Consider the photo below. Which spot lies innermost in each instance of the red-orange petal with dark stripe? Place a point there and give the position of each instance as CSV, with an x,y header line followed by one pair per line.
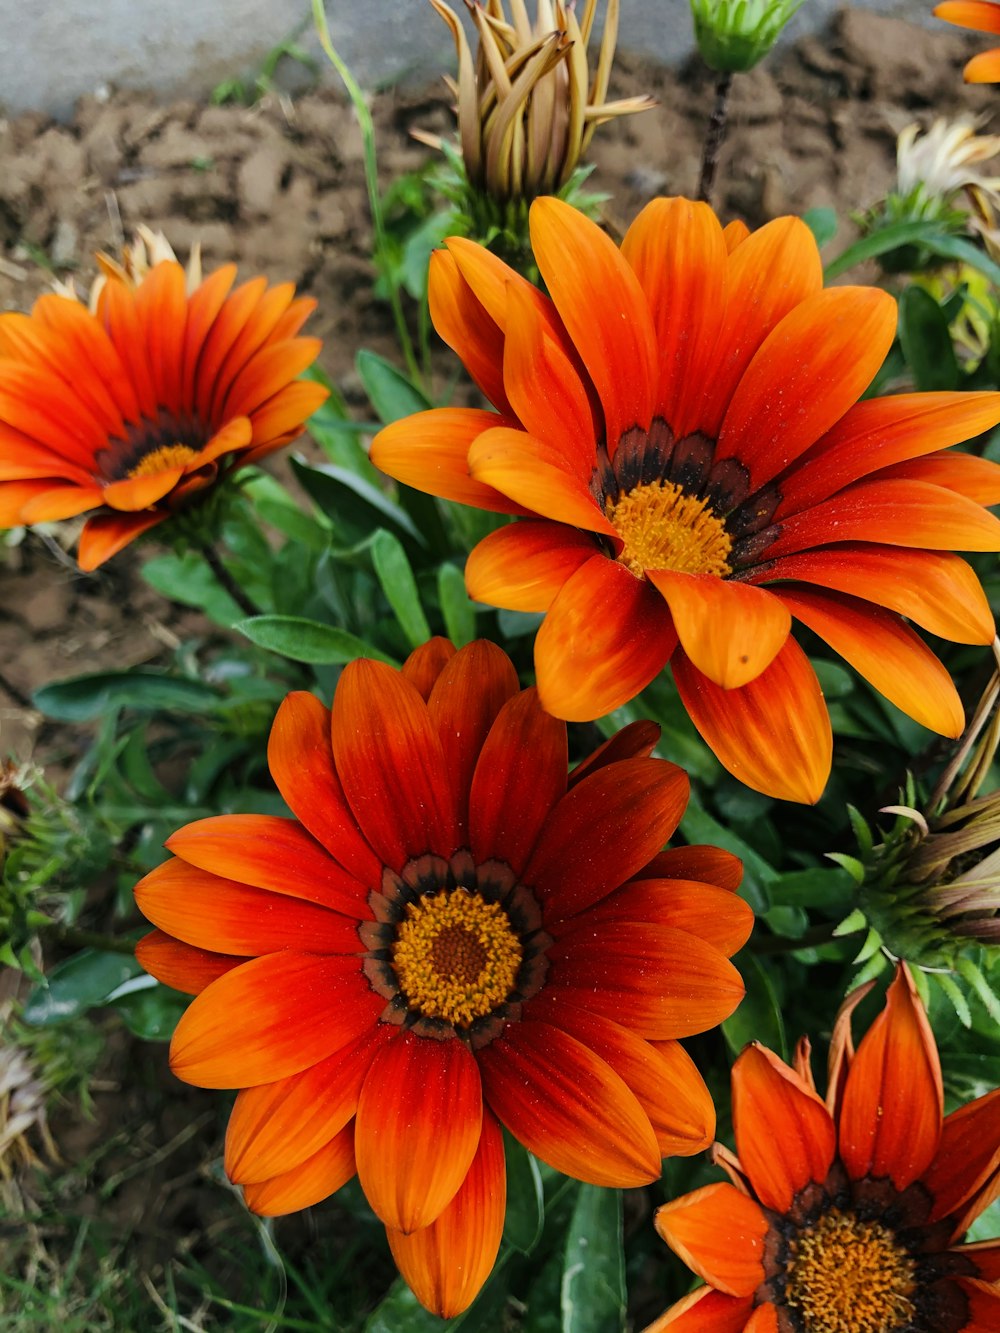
x,y
412,1166
636,740
447,1262
104,537
968,1154
568,1106
538,476
425,664
716,915
711,864
182,966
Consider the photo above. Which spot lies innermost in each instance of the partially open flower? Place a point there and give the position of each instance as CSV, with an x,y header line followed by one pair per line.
x,y
451,935
132,410
528,104
735,35
846,1216
981,16
933,167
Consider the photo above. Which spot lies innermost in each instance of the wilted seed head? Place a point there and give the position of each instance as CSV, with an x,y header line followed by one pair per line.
x,y
146,249
929,891
528,103
735,35
934,167
13,805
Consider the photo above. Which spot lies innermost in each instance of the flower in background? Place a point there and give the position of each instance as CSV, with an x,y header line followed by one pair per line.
x,y
848,1214
450,936
735,35
935,166
982,16
130,411
679,435
528,105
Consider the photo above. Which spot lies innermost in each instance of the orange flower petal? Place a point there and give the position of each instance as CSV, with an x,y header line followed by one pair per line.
x,y
116,308
141,492
806,374
607,634
214,913
268,852
890,1116
770,272
735,233
662,1075
464,703
267,372
539,476
283,416
181,966
50,504
981,15
568,1106
969,1153
462,322
523,566
896,513
236,311
661,982
603,307
425,664
939,591
603,830
729,630
203,308
773,734
545,392
677,250
446,1263
104,537
710,864
492,281
716,915
391,762
984,1306
763,1320
880,432
704,1311
719,1233
430,452
310,1182
986,1257
234,435
418,1128
637,740
976,478
272,1017
276,1126
785,1136
983,68
300,757
65,335
883,648
520,775
161,307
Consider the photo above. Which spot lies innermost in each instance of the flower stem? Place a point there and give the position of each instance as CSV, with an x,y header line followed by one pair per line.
x,y
226,581
809,939
714,137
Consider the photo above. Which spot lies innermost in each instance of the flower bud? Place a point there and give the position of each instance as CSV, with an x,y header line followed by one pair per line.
x,y
735,35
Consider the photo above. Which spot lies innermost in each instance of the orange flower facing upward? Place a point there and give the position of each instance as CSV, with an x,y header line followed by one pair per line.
x,y
448,937
678,427
982,16
845,1216
128,412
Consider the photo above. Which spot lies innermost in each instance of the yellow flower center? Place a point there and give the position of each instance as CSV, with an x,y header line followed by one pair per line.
x,y
160,460
850,1276
663,528
456,956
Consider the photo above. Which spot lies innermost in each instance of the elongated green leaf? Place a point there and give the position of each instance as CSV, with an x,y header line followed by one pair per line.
x,y
395,574
305,640
82,698
391,393
458,611
353,505
822,222
593,1281
759,1016
926,341
80,983
525,1217
758,875
188,579
149,1010
881,242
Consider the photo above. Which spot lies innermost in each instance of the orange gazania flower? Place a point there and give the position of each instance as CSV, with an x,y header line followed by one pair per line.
x,y
982,16
128,412
679,426
448,937
845,1216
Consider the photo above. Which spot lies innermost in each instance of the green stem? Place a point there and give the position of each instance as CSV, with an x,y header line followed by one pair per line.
x,y
367,126
809,939
714,137
226,581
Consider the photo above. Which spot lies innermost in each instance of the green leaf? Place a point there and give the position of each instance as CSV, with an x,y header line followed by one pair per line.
x,y
458,610
926,341
821,887
593,1281
391,393
882,241
149,1010
187,579
759,1016
311,641
353,505
83,698
525,1216
80,983
395,574
822,222
758,875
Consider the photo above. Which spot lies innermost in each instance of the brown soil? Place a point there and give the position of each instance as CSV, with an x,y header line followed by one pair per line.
x,y
281,190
